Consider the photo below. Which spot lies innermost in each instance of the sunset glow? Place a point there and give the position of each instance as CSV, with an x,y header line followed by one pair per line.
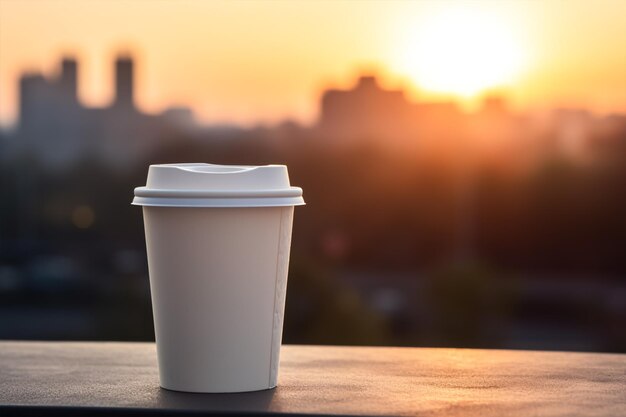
x,y
462,51
262,62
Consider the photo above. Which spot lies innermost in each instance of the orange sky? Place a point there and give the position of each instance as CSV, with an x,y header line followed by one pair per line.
x,y
250,62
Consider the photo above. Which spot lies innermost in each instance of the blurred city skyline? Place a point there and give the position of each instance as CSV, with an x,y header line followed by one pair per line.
x,y
464,188
244,69
59,129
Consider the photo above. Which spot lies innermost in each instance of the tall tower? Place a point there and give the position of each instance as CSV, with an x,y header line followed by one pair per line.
x,y
68,80
124,84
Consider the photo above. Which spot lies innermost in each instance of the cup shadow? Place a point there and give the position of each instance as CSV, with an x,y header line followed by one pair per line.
x,y
253,402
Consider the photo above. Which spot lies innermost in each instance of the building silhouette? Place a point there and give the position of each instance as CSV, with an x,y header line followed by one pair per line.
x,y
68,80
57,130
368,111
124,83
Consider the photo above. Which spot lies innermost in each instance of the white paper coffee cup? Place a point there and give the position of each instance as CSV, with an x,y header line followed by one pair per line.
x,y
218,240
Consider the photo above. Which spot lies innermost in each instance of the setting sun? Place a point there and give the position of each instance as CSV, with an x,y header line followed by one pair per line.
x,y
258,62
461,52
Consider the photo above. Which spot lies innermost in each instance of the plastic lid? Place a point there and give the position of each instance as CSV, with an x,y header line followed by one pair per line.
x,y
208,185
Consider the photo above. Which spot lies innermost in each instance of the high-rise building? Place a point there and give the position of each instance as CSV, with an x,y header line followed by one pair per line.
x,y
365,111
124,83
44,101
58,130
68,81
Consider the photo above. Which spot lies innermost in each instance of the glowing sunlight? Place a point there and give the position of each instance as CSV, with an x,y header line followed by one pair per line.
x,y
462,52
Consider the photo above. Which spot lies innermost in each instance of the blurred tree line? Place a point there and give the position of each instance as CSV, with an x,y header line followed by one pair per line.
x,y
368,208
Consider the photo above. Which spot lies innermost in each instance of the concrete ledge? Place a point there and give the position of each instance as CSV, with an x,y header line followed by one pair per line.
x,y
79,379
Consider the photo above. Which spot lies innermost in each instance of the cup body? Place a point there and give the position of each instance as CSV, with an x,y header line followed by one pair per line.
x,y
218,279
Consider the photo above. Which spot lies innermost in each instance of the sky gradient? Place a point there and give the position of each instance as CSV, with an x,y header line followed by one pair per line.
x,y
251,62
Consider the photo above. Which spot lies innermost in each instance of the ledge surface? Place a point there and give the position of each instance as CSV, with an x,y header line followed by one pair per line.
x,y
75,379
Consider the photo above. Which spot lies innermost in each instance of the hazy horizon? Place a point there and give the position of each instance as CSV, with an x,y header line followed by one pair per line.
x,y
247,63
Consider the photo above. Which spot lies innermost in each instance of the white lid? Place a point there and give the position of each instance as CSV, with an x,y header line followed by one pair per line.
x,y
208,185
